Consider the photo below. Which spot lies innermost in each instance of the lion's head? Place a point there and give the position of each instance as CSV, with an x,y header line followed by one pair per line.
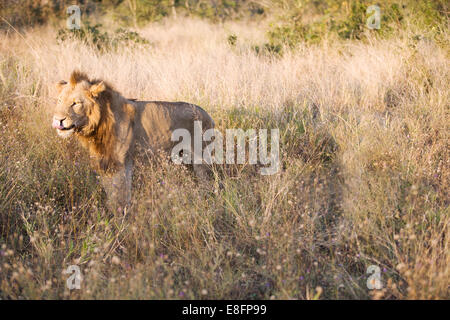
x,y
84,108
78,109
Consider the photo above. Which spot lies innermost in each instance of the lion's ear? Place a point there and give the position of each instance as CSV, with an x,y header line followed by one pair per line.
x,y
97,88
60,85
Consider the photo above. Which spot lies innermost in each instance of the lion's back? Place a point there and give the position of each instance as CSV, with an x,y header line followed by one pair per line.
x,y
156,120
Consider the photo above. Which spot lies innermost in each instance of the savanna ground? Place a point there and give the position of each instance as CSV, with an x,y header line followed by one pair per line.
x,y
364,127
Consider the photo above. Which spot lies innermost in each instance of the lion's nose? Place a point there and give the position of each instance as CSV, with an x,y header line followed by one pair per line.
x,y
58,123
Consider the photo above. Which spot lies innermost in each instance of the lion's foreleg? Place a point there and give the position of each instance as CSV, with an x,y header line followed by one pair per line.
x,y
201,171
118,188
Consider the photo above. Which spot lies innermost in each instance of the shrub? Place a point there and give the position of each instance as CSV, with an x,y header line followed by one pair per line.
x,y
93,36
329,19
21,13
232,39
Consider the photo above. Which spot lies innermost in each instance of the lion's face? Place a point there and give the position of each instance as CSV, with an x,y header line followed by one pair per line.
x,y
75,110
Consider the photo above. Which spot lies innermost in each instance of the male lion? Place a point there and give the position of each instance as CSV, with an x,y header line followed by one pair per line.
x,y
110,127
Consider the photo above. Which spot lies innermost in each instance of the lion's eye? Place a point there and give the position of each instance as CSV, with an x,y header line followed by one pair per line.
x,y
77,106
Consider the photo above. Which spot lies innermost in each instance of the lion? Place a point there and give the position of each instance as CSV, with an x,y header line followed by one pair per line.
x,y
111,127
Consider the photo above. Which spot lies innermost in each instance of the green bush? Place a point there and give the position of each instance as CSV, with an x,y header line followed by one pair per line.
x,y
268,49
347,19
92,35
232,39
139,12
22,13
27,13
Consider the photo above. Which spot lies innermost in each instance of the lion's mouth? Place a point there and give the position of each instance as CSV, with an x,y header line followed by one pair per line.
x,y
58,124
64,128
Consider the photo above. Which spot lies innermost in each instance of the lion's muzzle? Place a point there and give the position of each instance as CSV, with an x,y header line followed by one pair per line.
x,y
59,124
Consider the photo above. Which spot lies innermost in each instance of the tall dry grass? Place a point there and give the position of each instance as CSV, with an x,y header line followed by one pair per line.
x,y
364,144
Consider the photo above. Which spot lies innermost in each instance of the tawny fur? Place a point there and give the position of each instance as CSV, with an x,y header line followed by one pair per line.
x,y
111,126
